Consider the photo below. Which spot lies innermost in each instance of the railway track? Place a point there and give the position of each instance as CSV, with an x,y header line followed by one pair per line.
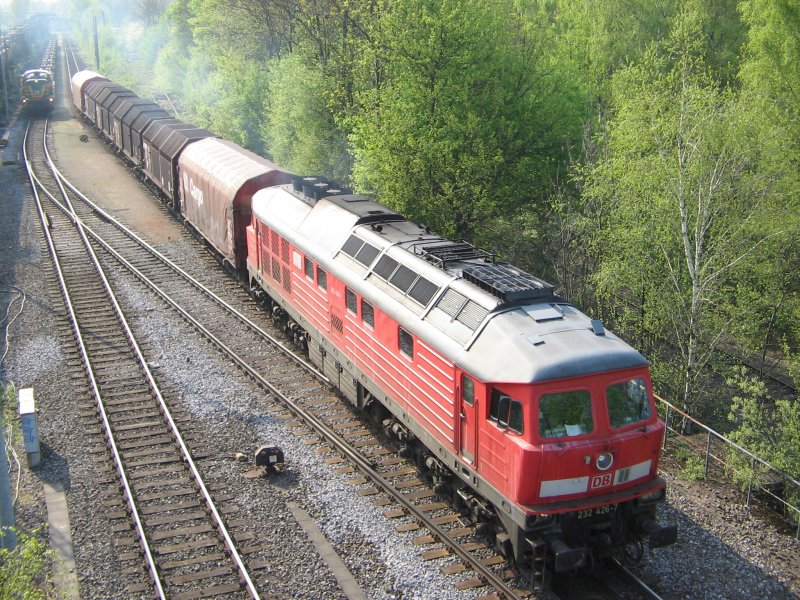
x,y
175,523
235,325
612,581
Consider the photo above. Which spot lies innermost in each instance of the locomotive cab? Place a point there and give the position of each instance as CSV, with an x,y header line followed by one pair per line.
x,y
582,460
37,89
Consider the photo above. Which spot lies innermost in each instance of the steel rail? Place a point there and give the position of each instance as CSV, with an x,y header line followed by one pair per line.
x,y
184,450
645,589
87,362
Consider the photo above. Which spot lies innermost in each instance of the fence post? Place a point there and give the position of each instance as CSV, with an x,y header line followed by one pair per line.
x,y
666,428
752,476
708,452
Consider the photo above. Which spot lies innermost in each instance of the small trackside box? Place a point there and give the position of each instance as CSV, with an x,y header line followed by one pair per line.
x,y
30,428
270,457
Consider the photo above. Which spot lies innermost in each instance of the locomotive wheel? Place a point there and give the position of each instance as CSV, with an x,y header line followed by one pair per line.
x,y
633,553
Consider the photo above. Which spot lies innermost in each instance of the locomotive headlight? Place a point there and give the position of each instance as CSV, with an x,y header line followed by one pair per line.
x,y
604,461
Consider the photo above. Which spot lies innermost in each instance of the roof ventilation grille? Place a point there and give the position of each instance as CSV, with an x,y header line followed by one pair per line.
x,y
507,283
447,251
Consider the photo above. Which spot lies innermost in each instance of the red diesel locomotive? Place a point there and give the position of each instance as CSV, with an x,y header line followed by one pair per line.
x,y
539,421
536,420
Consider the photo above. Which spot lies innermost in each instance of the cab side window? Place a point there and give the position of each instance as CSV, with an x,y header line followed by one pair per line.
x,y
405,342
467,390
506,412
367,313
351,300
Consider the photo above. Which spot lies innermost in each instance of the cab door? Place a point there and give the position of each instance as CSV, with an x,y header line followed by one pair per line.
x,y
467,418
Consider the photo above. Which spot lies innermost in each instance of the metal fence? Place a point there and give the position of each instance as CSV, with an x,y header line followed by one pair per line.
x,y
766,485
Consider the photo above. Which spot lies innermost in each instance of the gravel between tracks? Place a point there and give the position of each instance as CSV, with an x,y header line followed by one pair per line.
x,y
723,551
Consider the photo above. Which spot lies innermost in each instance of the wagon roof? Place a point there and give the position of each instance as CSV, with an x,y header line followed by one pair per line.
x,y
140,117
127,104
176,141
155,128
99,90
114,99
81,78
226,166
169,136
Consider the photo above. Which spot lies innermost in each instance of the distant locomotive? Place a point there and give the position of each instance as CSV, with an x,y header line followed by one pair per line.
x,y
537,421
37,90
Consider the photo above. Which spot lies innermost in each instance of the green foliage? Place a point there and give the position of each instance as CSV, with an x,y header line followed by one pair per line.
x,y
772,59
471,116
604,36
299,128
254,31
229,102
693,466
769,428
24,571
683,143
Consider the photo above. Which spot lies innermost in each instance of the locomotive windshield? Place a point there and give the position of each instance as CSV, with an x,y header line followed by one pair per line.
x,y
565,414
36,77
628,402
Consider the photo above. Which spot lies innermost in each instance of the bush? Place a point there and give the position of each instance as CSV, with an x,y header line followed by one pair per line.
x,y
770,429
24,571
693,467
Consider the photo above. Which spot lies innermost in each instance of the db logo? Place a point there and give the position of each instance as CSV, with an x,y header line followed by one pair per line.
x,y
603,480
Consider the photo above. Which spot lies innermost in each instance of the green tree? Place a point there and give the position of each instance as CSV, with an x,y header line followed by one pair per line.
x,y
299,128
768,427
470,117
230,101
770,76
688,205
149,11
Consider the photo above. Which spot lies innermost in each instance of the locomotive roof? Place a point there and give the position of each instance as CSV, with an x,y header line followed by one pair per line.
x,y
34,74
491,318
226,167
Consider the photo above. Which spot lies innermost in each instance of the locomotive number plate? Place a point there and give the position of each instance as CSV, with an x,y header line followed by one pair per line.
x,y
597,511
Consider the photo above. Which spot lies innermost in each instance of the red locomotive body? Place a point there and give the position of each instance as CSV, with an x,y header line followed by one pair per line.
x,y
538,420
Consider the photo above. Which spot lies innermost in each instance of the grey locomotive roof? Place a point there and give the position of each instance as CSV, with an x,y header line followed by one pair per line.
x,y
492,319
